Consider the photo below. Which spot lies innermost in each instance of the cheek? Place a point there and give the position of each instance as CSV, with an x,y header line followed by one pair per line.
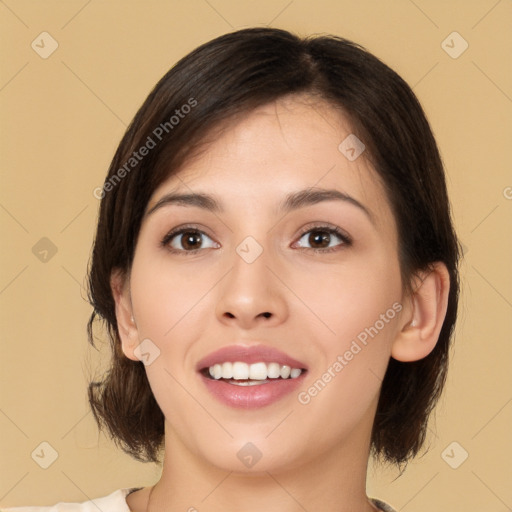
x,y
166,301
363,305
360,308
163,295
352,298
171,304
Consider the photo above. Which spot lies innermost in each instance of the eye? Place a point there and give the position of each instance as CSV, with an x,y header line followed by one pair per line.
x,y
323,238
187,240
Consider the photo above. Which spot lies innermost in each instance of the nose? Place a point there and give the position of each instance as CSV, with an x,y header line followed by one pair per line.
x,y
252,294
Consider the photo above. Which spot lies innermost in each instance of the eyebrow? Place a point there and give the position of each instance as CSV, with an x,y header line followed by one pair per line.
x,y
293,201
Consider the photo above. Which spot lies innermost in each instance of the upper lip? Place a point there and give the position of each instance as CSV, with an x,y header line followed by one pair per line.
x,y
249,354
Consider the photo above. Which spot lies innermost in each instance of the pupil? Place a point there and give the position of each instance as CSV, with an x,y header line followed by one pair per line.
x,y
314,239
189,242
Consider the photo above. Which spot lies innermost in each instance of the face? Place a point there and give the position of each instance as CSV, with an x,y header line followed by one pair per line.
x,y
298,286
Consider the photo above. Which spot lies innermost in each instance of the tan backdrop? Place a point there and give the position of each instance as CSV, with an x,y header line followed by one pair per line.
x,y
74,73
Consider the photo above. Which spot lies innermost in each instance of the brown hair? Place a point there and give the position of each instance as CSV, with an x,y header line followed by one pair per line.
x,y
231,75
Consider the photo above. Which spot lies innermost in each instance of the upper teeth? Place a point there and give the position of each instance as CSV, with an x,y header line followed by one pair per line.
x,y
256,371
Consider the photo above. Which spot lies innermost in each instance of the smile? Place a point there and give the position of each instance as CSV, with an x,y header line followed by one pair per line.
x,y
250,377
256,372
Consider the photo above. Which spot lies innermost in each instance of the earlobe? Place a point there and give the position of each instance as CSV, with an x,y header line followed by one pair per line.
x,y
126,325
426,315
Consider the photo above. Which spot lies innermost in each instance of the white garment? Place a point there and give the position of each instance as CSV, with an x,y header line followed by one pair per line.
x,y
116,502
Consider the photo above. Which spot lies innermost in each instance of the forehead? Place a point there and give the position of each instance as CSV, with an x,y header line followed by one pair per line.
x,y
289,144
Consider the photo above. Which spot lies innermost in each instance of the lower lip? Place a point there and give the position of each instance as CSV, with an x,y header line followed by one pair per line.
x,y
251,397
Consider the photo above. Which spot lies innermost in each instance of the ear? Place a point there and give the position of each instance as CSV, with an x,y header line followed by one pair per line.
x,y
423,316
126,326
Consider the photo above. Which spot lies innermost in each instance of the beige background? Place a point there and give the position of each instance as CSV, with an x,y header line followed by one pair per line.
x,y
61,120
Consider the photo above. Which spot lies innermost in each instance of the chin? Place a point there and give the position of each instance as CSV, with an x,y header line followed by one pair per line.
x,y
250,455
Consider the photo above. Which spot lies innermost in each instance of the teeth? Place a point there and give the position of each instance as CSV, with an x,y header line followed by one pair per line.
x,y
227,370
258,371
273,371
252,372
240,371
217,371
285,372
295,372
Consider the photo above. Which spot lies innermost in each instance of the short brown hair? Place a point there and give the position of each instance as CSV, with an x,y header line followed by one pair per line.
x,y
234,74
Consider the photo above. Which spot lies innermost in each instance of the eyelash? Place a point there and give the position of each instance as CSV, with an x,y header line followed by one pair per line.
x,y
331,230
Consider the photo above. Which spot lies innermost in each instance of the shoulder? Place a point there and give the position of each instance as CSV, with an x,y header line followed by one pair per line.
x,y
113,502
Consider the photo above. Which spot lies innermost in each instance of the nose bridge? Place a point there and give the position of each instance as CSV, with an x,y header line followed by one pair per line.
x,y
250,272
251,290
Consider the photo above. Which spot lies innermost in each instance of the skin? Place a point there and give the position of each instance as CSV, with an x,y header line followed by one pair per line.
x,y
314,455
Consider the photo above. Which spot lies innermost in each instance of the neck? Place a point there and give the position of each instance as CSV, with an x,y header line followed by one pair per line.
x,y
333,481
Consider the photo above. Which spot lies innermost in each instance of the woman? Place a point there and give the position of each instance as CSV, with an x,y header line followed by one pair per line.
x,y
276,266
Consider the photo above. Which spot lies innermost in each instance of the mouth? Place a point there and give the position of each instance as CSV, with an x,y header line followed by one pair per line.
x,y
239,373
250,377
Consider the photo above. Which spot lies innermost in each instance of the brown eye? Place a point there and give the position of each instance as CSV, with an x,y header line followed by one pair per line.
x,y
190,240
187,240
319,240
323,239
